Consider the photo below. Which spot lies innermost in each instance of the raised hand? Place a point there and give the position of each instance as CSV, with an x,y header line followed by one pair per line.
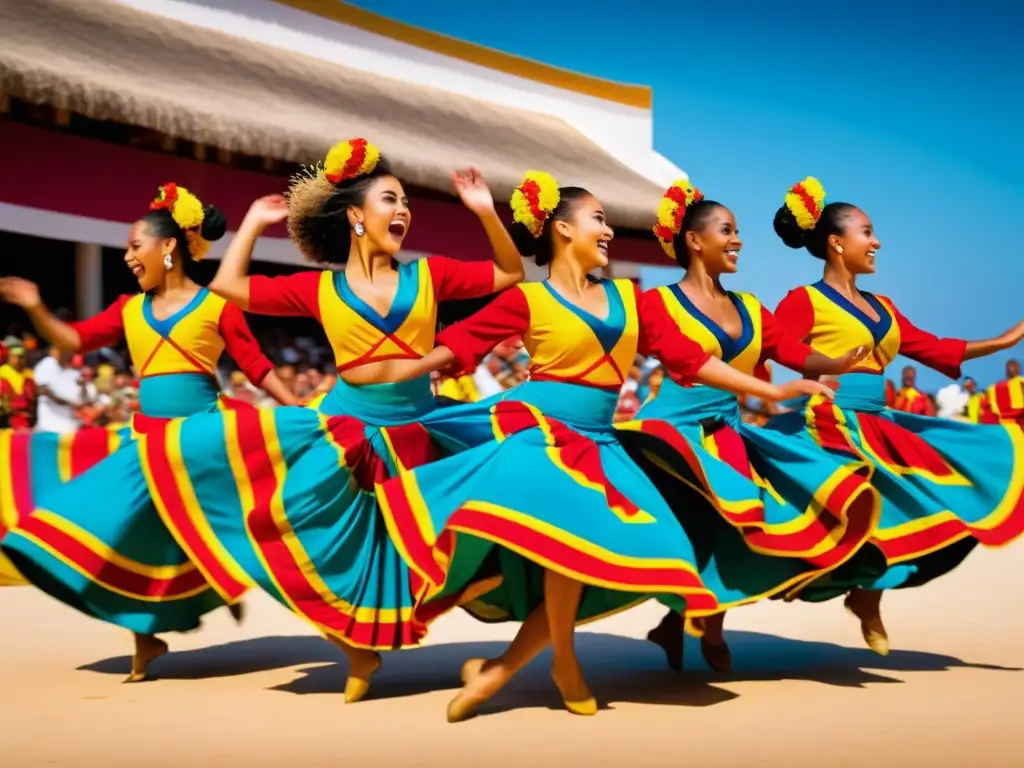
x,y
471,188
268,210
22,293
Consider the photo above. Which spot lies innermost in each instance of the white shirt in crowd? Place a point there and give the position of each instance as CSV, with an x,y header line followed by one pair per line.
x,y
485,382
63,382
951,400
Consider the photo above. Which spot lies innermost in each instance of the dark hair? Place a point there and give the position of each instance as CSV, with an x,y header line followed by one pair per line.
x,y
318,213
542,248
832,222
161,224
694,220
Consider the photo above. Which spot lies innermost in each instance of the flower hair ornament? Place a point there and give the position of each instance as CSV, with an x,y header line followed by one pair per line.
x,y
671,210
350,159
806,200
534,200
187,212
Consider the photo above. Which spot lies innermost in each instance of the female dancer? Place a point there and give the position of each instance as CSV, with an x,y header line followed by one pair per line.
x,y
945,485
299,516
811,507
554,503
114,560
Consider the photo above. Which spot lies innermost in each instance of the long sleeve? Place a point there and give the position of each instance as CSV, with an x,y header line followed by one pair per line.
x,y
103,330
781,345
661,338
454,279
795,315
242,345
296,295
943,355
471,339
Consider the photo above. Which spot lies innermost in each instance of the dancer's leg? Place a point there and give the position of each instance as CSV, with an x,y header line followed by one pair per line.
x,y
147,649
866,605
562,602
362,663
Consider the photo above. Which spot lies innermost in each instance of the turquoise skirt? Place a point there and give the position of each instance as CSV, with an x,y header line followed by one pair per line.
x,y
788,512
552,488
284,499
86,531
945,485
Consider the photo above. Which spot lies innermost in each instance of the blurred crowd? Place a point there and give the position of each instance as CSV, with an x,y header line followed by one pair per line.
x,y
48,390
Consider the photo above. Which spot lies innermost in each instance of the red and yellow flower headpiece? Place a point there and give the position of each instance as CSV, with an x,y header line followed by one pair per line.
x,y
187,211
350,159
671,210
806,201
534,200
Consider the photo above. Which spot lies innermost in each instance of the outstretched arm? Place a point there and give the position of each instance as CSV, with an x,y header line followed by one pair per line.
x,y
715,373
686,362
476,196
1007,340
947,355
461,346
102,330
782,346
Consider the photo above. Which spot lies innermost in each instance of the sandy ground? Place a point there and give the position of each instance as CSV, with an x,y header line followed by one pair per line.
x,y
804,693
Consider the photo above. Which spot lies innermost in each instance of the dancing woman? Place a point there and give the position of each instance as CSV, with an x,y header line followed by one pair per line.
x,y
82,525
811,508
945,485
553,504
287,496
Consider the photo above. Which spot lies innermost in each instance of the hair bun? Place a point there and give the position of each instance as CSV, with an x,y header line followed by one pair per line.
x,y
184,207
534,200
800,213
350,159
671,210
215,224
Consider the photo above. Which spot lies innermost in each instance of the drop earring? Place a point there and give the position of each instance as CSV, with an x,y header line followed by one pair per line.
x,y
839,250
360,230
168,262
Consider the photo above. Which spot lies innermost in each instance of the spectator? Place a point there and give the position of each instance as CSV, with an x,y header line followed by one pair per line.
x,y
17,388
910,399
954,398
485,378
61,390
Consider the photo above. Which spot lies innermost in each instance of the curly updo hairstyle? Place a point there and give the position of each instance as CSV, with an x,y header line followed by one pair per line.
x,y
319,199
805,221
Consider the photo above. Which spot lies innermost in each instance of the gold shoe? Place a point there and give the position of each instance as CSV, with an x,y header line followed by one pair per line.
x,y
586,706
471,668
147,650
463,707
872,629
356,687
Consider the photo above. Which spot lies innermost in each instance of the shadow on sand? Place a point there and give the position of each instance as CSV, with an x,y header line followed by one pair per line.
x,y
617,668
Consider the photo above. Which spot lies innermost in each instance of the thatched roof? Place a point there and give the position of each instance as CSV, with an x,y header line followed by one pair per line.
x,y
110,62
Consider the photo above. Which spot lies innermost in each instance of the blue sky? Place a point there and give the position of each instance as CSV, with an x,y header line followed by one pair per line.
x,y
916,117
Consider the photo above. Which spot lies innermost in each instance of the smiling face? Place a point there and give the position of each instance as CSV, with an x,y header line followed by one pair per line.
x,y
587,231
384,214
857,244
715,241
145,255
